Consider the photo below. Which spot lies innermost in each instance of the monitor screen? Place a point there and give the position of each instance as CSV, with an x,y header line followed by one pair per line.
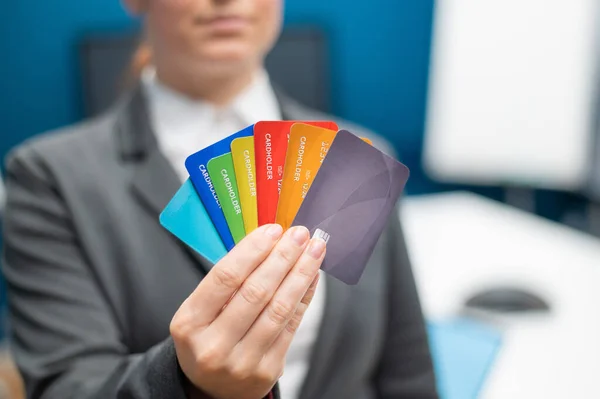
x,y
512,97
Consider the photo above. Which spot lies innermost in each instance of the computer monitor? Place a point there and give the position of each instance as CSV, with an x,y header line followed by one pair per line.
x,y
513,93
298,65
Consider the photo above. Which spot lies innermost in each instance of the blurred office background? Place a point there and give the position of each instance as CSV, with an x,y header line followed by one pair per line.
x,y
492,104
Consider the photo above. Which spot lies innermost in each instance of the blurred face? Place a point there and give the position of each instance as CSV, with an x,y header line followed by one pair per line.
x,y
218,35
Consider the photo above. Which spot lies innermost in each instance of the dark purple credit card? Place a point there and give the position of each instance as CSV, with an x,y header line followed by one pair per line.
x,y
350,202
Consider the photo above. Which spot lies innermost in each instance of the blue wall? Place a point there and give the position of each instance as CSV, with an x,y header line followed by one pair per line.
x,y
380,56
379,51
38,71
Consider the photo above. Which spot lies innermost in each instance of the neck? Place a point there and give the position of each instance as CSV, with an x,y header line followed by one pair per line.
x,y
215,88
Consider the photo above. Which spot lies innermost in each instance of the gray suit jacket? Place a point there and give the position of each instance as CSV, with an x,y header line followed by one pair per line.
x,y
94,280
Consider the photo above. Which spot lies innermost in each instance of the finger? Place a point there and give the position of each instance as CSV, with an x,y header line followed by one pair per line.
x,y
276,354
279,316
271,363
227,276
258,289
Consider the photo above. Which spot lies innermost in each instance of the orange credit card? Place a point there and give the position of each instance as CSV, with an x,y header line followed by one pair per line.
x,y
307,148
270,148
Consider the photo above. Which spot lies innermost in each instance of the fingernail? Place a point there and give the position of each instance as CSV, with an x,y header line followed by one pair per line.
x,y
316,248
275,231
300,235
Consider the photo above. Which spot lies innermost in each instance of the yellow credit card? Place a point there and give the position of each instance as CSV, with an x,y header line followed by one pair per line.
x,y
307,148
242,152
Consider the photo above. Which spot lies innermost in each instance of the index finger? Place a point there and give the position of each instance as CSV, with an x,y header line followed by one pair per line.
x,y
229,273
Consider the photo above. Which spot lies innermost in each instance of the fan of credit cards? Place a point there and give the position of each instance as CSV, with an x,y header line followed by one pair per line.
x,y
295,174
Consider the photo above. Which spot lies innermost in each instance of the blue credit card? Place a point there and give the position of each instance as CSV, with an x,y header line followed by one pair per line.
x,y
196,166
186,218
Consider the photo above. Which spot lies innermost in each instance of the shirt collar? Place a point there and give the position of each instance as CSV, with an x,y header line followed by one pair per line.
x,y
257,102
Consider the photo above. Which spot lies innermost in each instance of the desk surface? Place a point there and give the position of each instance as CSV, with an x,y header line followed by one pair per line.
x,y
461,243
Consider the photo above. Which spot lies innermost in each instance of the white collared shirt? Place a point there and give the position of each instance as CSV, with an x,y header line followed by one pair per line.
x,y
184,126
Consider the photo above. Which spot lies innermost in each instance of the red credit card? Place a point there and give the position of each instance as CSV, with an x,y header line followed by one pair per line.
x,y
270,147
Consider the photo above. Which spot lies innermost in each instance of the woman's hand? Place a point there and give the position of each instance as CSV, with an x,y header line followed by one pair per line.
x,y
233,332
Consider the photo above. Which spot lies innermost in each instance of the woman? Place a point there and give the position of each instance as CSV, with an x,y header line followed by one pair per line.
x,y
106,304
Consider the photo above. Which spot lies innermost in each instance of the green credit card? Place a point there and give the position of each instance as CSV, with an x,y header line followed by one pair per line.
x,y
222,174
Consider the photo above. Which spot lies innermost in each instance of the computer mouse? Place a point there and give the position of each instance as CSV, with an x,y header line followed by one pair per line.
x,y
507,300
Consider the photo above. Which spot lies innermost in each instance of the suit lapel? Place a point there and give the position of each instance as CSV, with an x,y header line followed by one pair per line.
x,y
154,181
